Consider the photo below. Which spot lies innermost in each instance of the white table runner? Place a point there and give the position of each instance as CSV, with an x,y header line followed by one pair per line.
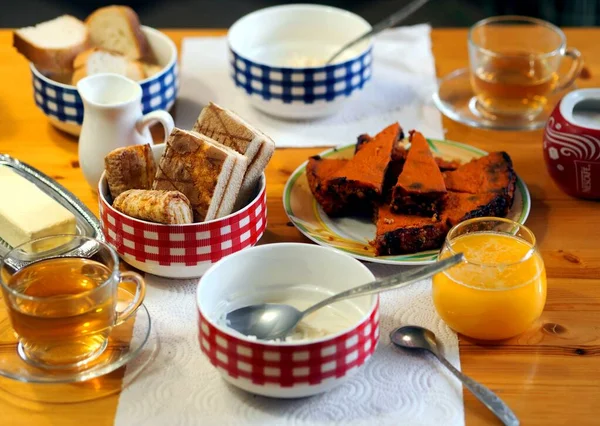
x,y
180,387
400,90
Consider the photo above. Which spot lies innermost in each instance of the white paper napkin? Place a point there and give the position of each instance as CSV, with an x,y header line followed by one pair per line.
x,y
180,387
400,90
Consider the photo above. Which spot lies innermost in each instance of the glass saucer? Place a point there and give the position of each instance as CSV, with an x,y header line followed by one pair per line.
x,y
456,100
133,342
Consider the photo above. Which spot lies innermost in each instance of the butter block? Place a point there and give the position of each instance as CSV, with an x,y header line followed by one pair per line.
x,y
27,213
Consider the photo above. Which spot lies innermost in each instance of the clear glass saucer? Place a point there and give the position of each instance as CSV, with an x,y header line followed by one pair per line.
x,y
131,345
456,100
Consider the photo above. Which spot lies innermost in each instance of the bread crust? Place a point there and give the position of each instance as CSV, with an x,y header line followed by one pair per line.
x,y
50,60
255,171
131,167
198,167
229,129
168,207
228,203
143,48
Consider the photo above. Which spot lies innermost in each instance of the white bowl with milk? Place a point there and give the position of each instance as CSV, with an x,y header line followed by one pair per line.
x,y
328,346
278,56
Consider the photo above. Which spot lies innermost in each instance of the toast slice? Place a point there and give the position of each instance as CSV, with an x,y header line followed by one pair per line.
x,y
130,167
420,189
95,61
117,28
231,130
53,45
201,169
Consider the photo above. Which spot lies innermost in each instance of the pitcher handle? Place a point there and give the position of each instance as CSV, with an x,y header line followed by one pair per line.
x,y
163,117
574,71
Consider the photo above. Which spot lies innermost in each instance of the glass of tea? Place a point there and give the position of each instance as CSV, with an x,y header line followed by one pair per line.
x,y
499,291
514,64
61,297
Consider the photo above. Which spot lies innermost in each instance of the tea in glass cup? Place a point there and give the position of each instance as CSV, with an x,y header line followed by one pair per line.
x,y
514,63
500,289
62,300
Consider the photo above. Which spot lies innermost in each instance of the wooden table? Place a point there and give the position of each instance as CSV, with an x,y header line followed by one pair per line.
x,y
550,375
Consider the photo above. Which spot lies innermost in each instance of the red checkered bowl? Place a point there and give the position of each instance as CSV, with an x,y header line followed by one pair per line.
x,y
181,251
285,369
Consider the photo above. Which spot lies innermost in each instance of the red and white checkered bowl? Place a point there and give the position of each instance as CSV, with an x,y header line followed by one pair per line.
x,y
285,369
181,251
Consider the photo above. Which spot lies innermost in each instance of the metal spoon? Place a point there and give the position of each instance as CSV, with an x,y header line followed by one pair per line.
x,y
269,321
388,22
414,337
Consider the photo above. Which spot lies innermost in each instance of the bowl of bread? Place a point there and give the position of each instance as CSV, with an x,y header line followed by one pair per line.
x,y
278,59
64,50
176,208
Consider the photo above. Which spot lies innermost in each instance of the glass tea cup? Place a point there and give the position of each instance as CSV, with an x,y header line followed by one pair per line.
x,y
61,296
514,65
499,291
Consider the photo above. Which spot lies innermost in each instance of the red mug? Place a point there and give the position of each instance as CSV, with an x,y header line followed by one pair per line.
x,y
572,144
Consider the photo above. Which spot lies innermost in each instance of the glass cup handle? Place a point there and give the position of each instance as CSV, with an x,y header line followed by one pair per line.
x,y
574,71
137,299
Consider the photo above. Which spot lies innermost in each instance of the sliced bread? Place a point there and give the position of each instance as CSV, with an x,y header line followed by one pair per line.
x,y
117,28
255,169
130,167
202,170
151,70
52,45
232,131
95,61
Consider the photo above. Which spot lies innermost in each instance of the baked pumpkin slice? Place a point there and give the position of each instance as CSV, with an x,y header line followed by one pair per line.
x,y
319,171
492,173
460,206
356,187
401,234
420,189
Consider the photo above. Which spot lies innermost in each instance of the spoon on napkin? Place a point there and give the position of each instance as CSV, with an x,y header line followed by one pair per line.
x,y
268,321
388,22
414,337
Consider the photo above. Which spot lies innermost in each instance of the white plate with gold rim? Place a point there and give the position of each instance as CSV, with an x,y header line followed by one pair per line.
x,y
351,235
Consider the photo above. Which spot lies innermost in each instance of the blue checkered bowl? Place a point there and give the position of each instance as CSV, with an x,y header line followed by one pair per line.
x,y
276,57
63,106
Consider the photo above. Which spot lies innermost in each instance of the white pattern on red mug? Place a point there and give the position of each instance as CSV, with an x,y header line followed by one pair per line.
x,y
572,144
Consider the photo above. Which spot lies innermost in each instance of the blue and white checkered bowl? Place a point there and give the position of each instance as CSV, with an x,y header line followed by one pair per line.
x,y
63,106
273,53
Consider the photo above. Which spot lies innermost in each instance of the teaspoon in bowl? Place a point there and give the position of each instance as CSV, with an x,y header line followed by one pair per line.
x,y
414,337
268,321
388,22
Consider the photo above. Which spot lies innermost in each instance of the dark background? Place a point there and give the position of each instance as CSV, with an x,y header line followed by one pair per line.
x,y
222,13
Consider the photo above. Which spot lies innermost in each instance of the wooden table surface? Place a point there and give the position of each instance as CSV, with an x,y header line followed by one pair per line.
x,y
550,375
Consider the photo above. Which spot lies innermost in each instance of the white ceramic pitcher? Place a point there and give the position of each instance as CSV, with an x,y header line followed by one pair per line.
x,y
112,118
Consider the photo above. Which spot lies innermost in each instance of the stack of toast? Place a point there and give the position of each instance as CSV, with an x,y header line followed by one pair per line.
x,y
413,197
203,174
67,49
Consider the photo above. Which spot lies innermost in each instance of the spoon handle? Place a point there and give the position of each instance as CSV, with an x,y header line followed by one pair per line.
x,y
388,22
389,283
486,396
